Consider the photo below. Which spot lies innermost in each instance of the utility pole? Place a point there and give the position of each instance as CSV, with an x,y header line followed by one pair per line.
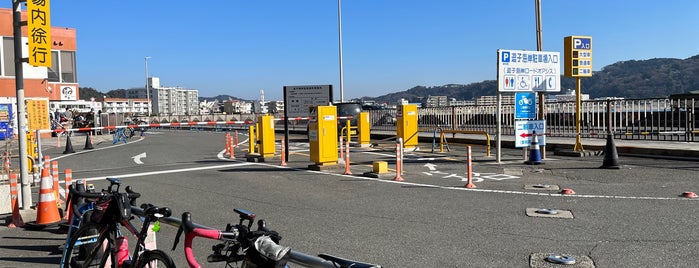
x,y
21,107
147,88
339,30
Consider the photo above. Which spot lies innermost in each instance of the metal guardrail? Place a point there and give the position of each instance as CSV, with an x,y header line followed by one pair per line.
x,y
473,132
642,119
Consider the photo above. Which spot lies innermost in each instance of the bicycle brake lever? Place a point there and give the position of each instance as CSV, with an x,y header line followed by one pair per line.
x,y
177,237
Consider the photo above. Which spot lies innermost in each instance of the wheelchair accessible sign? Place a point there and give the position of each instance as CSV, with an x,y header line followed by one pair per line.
x,y
526,71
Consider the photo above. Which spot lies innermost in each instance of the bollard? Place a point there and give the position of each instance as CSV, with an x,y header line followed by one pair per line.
x,y
235,141
469,169
342,151
68,180
347,160
6,164
399,154
228,144
231,147
14,193
283,156
54,177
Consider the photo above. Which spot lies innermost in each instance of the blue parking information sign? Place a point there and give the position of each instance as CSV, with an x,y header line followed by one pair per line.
x,y
525,105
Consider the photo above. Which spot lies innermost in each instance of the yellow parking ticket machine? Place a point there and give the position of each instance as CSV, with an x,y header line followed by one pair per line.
x,y
364,126
322,135
406,118
265,135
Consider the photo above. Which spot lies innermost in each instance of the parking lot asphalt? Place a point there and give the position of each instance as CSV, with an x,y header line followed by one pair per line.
x,y
640,176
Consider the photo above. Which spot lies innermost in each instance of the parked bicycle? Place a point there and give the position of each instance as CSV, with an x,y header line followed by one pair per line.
x,y
79,212
120,135
246,248
99,241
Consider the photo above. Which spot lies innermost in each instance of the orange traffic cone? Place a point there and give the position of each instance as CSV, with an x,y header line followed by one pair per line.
x,y
16,217
47,210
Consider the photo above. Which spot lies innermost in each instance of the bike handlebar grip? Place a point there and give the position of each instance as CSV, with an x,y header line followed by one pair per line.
x,y
77,194
166,211
132,195
187,222
266,247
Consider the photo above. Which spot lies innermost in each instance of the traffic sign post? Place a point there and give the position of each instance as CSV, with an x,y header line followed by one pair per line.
x,y
524,130
525,105
578,56
578,63
39,32
525,71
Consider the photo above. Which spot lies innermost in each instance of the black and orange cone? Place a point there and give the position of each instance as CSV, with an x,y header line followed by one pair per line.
x,y
611,158
88,142
69,146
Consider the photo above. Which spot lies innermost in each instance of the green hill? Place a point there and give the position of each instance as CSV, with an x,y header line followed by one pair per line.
x,y
629,79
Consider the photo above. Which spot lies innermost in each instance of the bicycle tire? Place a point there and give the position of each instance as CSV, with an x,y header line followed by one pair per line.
x,y
83,250
155,258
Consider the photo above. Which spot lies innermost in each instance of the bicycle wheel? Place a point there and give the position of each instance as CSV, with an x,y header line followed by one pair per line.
x,y
155,259
83,250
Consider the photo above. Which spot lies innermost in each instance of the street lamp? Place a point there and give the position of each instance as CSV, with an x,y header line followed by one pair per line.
x,y
339,30
147,86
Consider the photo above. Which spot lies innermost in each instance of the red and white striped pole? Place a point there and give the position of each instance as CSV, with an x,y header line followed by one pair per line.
x,y
399,164
342,150
469,169
283,152
6,165
14,201
54,176
228,144
347,160
235,141
232,146
68,180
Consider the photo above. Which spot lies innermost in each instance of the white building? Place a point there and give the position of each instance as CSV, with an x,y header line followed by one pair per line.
x,y
121,105
168,100
237,107
76,105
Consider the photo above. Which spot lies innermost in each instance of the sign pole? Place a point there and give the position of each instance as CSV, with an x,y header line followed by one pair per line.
x,y
540,47
578,143
21,108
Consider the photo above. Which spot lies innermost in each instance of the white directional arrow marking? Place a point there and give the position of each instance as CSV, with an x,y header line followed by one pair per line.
x,y
137,158
431,166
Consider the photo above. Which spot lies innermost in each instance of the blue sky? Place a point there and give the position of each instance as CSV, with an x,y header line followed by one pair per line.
x,y
239,47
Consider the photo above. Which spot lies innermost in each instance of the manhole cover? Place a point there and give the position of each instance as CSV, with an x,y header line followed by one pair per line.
x,y
547,211
549,260
560,259
542,187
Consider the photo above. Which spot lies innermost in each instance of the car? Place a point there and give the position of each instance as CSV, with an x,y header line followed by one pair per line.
x,y
346,109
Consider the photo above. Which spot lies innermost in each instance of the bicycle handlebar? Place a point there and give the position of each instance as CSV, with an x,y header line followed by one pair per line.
x,y
76,195
191,231
296,257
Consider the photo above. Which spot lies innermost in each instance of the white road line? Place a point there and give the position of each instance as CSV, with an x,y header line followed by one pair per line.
x,y
167,171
